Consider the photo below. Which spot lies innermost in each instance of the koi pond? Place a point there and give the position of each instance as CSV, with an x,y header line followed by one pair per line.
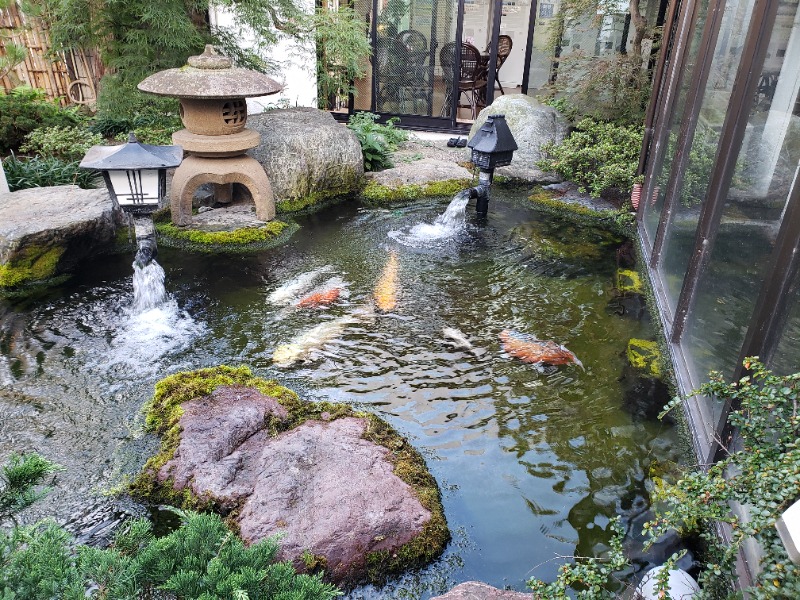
x,y
532,461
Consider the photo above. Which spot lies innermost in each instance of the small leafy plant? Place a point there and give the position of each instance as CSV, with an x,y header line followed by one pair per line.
x,y
24,109
67,143
24,173
377,141
598,156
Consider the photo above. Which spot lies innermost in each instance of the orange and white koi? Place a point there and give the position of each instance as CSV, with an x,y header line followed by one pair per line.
x,y
531,350
385,292
321,298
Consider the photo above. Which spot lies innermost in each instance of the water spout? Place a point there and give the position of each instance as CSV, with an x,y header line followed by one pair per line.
x,y
146,247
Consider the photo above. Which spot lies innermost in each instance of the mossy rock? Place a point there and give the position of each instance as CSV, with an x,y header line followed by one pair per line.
x,y
163,414
33,264
234,241
619,221
377,193
645,355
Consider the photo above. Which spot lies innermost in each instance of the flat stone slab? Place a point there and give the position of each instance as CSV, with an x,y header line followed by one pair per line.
x,y
475,590
45,231
226,218
333,494
51,212
420,172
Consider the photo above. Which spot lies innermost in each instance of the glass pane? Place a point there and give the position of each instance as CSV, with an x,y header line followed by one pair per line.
x,y
765,168
787,356
679,239
673,119
406,63
363,96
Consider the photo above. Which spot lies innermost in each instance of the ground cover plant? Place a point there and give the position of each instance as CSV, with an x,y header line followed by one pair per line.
x,y
202,559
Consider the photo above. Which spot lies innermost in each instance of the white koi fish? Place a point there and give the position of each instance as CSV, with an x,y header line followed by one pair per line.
x,y
459,339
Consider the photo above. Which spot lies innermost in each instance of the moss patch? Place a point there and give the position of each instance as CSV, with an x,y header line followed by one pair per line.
x,y
243,239
34,263
163,413
629,281
645,356
619,221
383,194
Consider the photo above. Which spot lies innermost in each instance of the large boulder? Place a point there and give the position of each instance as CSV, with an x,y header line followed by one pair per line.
x,y
532,124
346,499
46,231
307,155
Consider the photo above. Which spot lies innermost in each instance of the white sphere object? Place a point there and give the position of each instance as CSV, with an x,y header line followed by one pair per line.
x,y
681,585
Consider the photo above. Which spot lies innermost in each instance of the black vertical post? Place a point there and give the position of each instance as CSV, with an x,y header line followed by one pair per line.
x,y
526,70
491,70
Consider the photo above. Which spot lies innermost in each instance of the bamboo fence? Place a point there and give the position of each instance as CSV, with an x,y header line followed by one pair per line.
x,y
70,77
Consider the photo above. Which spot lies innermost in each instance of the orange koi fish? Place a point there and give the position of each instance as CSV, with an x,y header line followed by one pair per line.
x,y
385,293
321,298
531,350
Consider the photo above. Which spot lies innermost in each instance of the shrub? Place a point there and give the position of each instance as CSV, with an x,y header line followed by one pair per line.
x,y
66,143
377,141
25,109
23,173
200,559
598,156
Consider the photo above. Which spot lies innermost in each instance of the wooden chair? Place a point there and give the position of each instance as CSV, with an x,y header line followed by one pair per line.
x,y
472,79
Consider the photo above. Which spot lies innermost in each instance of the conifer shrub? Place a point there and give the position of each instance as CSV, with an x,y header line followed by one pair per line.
x,y
24,109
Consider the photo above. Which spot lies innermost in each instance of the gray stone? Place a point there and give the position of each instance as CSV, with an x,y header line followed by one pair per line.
x,y
307,154
475,590
46,231
420,172
532,124
331,492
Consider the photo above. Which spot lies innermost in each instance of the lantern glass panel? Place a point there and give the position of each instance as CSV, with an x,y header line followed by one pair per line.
x,y
135,187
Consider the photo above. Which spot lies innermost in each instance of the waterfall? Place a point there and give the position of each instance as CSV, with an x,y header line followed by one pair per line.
x,y
148,286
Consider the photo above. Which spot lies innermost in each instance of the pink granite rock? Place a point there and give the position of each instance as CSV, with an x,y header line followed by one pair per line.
x,y
475,590
330,492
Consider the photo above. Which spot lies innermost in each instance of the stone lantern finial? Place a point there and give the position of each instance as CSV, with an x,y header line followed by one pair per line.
x,y
209,59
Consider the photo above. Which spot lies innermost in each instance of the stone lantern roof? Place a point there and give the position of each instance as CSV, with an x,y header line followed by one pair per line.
x,y
209,75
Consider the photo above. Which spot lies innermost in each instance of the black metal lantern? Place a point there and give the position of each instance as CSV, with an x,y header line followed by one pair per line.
x,y
493,145
135,174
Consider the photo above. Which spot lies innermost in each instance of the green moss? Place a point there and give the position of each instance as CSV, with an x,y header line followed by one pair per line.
x,y
243,239
383,194
162,416
34,263
645,356
620,221
629,282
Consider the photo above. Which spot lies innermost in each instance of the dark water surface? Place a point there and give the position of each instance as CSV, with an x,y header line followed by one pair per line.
x,y
532,463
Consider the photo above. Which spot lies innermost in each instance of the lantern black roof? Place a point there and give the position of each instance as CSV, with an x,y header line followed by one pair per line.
x,y
132,155
493,137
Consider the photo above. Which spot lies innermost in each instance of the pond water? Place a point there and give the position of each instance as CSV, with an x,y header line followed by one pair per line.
x,y
532,462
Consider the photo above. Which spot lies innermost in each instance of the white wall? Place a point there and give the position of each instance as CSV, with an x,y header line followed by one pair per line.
x,y
296,66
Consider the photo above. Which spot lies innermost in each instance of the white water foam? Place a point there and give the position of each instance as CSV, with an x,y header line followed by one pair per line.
x,y
446,226
155,325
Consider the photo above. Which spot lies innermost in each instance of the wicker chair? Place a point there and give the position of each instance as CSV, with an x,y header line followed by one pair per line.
x,y
504,45
472,79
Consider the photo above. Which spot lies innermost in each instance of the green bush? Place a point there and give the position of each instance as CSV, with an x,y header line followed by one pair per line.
x,y
377,141
66,143
25,109
202,559
598,156
23,173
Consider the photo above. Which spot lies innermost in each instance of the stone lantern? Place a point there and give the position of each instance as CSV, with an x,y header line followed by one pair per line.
x,y
213,109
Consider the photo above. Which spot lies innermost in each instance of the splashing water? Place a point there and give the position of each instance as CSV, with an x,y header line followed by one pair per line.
x,y
148,286
447,225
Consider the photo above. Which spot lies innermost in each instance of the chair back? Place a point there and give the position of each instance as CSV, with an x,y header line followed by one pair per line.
x,y
504,45
413,40
472,67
